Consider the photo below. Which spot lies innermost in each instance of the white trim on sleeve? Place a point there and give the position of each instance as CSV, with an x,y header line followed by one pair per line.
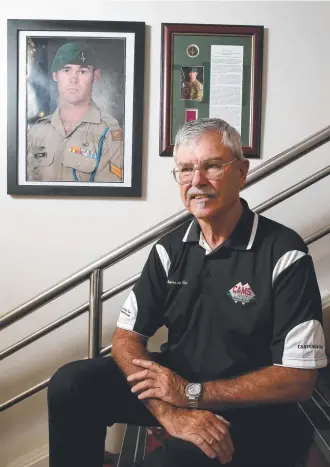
x,y
304,364
285,261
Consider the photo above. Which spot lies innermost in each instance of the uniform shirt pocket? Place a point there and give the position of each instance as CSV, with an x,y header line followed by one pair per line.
x,y
42,159
81,159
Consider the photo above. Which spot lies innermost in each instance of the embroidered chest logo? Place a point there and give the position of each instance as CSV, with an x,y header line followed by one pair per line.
x,y
242,293
177,282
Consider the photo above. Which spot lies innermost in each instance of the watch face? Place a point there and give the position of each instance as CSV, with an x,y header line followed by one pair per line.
x,y
194,389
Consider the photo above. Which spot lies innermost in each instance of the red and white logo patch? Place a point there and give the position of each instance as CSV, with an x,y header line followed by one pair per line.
x,y
242,293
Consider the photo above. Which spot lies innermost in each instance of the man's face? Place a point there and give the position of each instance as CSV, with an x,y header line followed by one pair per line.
x,y
215,195
75,83
192,75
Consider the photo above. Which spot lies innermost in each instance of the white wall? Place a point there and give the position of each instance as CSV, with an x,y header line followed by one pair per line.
x,y
43,240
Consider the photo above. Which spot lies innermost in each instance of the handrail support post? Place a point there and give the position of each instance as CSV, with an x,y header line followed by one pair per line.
x,y
95,313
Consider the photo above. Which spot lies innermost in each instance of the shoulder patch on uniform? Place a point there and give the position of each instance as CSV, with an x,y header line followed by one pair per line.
x,y
45,119
117,134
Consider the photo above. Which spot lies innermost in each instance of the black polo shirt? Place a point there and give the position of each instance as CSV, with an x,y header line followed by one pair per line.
x,y
252,302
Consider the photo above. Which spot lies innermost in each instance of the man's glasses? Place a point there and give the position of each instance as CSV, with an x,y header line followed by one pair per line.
x,y
212,170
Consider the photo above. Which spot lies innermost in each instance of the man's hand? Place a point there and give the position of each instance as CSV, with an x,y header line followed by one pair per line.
x,y
158,382
207,431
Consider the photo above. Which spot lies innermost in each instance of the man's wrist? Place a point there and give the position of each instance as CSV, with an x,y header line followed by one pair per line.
x,y
165,412
159,409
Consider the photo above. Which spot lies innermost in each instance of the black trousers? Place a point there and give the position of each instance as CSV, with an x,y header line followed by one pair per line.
x,y
84,397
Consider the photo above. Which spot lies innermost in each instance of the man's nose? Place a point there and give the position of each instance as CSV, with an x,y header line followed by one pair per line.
x,y
199,178
74,77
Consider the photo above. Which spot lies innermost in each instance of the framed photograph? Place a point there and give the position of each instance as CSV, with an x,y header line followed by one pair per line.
x,y
75,107
192,79
216,71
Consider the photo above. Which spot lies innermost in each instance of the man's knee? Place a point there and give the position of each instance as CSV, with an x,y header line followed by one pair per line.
x,y
64,386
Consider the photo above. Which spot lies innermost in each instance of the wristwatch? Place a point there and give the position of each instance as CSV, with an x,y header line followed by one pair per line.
x,y
193,392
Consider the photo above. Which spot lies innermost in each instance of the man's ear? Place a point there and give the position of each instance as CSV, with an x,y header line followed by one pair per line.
x,y
245,164
97,74
55,75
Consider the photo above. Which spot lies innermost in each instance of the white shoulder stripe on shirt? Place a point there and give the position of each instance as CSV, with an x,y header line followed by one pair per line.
x,y
163,256
253,231
187,232
285,261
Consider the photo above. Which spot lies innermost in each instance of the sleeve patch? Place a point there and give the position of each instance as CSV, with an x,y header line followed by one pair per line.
x,y
117,135
116,170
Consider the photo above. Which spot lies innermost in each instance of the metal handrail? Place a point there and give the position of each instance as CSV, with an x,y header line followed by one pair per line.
x,y
66,318
147,237
293,190
290,155
317,235
39,387
83,274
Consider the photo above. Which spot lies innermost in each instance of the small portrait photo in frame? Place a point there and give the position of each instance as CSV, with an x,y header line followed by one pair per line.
x,y
192,79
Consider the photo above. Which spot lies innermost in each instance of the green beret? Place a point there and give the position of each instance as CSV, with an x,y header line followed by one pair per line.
x,y
75,53
194,70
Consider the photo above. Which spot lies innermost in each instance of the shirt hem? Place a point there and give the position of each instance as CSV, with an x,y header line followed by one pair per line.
x,y
305,364
127,327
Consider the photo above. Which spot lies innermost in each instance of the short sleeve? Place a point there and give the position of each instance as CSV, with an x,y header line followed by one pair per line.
x,y
298,339
143,311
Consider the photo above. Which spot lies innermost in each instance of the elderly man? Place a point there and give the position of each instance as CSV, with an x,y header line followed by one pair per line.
x,y
239,297
78,142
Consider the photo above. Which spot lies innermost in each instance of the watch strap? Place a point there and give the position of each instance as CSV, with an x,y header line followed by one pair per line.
x,y
193,403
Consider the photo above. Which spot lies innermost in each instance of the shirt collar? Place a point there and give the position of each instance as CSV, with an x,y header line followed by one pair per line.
x,y
242,237
93,115
57,121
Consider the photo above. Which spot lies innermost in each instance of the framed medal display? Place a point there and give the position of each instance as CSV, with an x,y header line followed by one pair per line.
x,y
211,71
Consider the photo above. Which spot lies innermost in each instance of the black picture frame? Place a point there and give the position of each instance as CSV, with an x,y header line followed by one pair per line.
x,y
189,46
123,40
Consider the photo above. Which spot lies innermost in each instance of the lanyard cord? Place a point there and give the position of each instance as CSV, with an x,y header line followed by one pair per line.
x,y
98,157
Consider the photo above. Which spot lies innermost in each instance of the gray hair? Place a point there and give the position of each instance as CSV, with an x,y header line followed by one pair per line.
x,y
192,130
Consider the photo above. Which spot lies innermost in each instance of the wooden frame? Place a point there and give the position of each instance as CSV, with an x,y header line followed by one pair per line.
x,y
231,59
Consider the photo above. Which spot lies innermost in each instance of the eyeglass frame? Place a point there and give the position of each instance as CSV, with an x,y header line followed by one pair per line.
x,y
174,170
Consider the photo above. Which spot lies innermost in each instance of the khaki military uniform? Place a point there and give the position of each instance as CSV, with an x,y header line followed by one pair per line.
x,y
54,155
193,90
